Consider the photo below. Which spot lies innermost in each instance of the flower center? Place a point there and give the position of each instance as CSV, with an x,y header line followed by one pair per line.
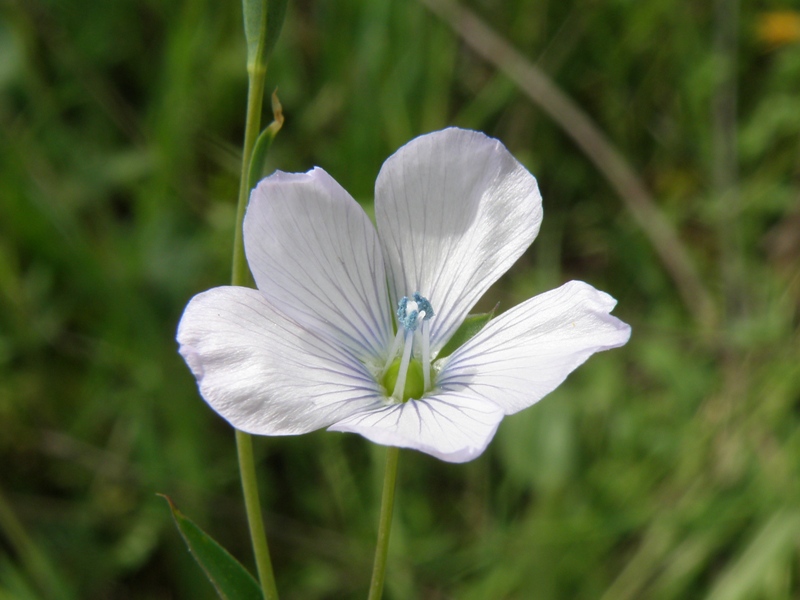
x,y
415,381
407,378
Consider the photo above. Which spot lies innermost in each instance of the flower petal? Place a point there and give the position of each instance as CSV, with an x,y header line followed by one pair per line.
x,y
526,352
264,373
453,426
454,210
316,257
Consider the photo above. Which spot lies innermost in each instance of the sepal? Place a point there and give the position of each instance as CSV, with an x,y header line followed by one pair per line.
x,y
258,158
471,325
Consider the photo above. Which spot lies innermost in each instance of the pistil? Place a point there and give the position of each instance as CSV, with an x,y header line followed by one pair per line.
x,y
413,315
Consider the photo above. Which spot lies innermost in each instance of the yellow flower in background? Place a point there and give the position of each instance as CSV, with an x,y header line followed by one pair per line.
x,y
779,27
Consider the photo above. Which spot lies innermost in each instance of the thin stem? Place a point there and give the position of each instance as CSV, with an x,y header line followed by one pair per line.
x,y
255,100
247,471
241,276
384,525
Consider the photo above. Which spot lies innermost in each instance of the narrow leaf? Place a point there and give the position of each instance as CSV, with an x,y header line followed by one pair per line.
x,y
231,580
277,13
471,325
262,34
259,157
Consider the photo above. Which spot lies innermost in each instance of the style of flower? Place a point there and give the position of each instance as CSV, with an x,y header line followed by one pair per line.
x,y
346,328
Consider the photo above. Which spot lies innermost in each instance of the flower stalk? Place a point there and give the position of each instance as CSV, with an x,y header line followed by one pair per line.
x,y
384,524
240,273
258,536
240,276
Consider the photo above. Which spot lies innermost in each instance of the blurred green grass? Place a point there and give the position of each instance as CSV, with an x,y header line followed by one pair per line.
x,y
666,469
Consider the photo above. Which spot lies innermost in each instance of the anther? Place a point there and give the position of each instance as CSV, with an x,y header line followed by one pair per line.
x,y
423,305
411,310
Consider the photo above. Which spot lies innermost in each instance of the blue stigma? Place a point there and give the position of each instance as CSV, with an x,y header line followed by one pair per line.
x,y
408,318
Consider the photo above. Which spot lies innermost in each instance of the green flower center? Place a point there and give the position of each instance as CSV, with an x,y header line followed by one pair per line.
x,y
415,381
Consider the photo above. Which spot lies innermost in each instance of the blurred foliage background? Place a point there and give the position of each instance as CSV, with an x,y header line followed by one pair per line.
x,y
666,469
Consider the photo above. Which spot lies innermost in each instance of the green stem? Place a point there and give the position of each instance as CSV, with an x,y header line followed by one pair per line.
x,y
384,525
255,100
247,471
241,276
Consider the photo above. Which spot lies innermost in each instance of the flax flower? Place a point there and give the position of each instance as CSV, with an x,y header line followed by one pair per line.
x,y
346,328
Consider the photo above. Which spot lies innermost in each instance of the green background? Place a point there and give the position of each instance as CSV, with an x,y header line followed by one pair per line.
x,y
665,469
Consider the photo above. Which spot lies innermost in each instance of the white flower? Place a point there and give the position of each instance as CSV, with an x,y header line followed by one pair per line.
x,y
315,346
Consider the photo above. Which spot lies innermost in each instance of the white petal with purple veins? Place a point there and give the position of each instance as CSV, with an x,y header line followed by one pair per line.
x,y
315,255
454,210
452,425
526,352
266,374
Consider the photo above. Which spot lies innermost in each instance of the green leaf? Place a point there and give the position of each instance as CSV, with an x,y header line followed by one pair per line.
x,y
231,580
471,325
259,157
261,33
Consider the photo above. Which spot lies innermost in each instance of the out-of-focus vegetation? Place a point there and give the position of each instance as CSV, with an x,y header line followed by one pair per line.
x,y
668,469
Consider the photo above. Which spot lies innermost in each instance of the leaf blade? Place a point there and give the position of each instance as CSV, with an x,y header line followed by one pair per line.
x,y
229,578
261,31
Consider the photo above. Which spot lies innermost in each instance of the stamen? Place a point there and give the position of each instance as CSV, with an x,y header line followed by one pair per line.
x,y
411,313
426,352
398,339
400,385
